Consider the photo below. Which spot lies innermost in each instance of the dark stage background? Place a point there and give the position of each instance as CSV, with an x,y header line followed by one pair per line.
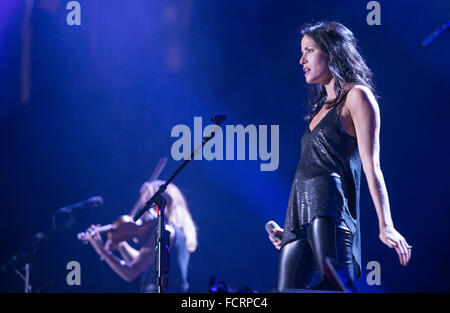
x,y
105,95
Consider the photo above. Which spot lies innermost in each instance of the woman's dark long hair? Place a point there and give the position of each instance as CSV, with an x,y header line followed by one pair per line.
x,y
346,64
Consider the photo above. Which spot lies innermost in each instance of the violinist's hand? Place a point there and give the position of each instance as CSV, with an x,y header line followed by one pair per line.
x,y
276,242
96,241
393,239
110,246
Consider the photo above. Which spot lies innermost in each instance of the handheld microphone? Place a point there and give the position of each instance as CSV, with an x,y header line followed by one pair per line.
x,y
270,225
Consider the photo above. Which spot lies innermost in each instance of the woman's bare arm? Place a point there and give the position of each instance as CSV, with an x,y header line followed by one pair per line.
x,y
365,114
127,270
127,252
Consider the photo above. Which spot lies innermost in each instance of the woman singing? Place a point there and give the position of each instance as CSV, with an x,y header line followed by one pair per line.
x,y
322,218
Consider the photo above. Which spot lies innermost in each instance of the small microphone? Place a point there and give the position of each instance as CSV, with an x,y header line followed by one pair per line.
x,y
270,225
26,251
10,262
91,202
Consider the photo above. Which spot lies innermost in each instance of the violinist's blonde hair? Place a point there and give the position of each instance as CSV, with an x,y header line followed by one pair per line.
x,y
177,211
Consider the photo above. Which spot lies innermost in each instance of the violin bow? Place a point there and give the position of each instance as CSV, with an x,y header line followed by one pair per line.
x,y
156,172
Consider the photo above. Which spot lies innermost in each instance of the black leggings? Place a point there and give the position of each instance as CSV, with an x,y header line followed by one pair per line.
x,y
299,259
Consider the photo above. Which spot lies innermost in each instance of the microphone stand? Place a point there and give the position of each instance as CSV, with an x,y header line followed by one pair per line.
x,y
27,278
23,258
163,236
21,262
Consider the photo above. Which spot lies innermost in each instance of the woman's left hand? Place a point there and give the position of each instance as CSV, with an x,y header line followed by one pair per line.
x,y
97,242
393,239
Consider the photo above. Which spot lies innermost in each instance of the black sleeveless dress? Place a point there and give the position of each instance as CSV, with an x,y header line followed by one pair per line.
x,y
327,181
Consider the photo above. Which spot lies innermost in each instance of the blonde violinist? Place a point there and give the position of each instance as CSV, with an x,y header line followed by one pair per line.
x,y
133,262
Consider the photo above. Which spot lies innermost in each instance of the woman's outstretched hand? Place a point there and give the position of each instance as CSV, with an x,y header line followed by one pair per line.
x,y
276,242
393,239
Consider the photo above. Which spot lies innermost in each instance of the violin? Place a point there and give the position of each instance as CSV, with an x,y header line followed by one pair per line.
x,y
122,229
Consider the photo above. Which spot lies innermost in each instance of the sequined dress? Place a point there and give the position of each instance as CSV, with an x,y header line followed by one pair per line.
x,y
327,181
